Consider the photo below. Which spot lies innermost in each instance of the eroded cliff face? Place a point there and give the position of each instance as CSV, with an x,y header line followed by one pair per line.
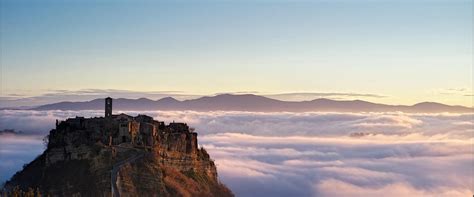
x,y
171,174
74,165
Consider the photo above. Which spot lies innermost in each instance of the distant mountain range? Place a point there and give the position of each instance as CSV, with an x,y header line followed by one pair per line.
x,y
253,103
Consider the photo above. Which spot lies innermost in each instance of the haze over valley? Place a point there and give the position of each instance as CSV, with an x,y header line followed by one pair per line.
x,y
301,153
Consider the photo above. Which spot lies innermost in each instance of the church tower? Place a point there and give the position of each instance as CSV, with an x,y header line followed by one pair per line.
x,y
108,107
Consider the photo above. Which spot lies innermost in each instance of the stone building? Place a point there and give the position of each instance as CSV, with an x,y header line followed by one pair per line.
x,y
108,107
141,130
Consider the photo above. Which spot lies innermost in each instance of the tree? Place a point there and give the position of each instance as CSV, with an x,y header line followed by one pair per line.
x,y
16,191
38,192
30,192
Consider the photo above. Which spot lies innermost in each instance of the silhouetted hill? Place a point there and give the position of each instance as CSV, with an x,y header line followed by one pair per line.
x,y
254,103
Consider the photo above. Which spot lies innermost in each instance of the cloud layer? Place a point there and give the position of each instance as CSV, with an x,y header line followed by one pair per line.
x,y
322,166
16,150
320,154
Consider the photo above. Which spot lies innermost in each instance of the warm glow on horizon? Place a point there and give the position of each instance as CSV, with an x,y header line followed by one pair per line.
x,y
406,52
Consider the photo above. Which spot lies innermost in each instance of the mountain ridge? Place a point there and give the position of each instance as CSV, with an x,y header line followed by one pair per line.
x,y
255,103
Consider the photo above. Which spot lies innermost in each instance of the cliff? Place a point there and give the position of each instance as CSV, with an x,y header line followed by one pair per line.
x,y
98,157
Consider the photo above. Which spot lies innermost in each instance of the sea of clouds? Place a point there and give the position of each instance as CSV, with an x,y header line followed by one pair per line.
x,y
303,154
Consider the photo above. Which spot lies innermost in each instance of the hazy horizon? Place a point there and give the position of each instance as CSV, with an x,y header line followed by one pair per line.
x,y
92,94
405,51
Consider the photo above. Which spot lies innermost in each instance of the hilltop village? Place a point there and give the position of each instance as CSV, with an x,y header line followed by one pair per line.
x,y
141,130
119,155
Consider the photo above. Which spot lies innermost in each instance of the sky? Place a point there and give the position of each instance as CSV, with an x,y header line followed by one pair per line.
x,y
405,51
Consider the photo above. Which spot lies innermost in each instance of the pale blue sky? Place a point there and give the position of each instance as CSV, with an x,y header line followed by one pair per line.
x,y
408,51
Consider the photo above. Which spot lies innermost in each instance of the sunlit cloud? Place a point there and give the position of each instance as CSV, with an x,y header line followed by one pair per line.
x,y
313,154
306,96
454,91
368,166
333,187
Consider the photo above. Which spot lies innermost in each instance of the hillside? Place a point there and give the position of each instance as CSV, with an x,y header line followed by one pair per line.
x,y
95,157
254,103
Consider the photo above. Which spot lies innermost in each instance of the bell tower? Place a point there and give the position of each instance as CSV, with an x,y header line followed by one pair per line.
x,y
108,107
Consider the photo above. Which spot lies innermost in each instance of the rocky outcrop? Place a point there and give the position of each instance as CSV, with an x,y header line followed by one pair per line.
x,y
78,163
167,180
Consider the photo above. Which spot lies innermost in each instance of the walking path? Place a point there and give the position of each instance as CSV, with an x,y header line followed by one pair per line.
x,y
116,168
